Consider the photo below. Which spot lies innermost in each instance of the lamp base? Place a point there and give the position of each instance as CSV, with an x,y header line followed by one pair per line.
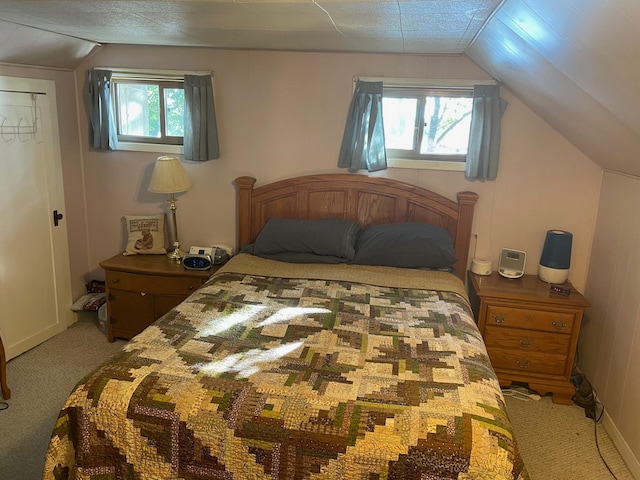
x,y
552,275
177,254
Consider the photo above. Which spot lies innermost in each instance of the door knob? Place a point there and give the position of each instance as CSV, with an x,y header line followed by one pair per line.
x,y
56,217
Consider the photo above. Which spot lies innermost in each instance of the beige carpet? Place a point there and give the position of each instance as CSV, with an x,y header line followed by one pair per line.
x,y
557,441
40,381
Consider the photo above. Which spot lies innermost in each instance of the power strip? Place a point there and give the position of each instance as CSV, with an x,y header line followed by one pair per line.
x,y
584,396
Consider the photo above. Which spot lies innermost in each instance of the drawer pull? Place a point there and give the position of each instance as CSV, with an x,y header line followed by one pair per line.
x,y
143,293
529,318
190,287
523,363
559,325
499,317
115,280
526,342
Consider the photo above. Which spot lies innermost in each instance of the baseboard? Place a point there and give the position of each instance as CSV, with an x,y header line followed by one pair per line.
x,y
33,340
621,445
618,440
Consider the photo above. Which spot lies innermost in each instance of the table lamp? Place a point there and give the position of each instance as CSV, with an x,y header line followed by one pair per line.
x,y
169,176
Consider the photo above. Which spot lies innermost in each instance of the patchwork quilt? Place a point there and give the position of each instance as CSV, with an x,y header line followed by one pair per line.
x,y
296,372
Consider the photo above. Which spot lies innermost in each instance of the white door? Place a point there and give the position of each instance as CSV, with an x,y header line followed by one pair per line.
x,y
35,285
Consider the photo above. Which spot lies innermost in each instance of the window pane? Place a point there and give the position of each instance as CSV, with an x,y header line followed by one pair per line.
x,y
399,122
139,108
174,111
447,121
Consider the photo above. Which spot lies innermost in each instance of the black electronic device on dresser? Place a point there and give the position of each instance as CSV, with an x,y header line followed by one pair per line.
x,y
203,258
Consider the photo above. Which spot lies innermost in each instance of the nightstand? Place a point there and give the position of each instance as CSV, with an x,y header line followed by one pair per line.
x,y
531,334
142,288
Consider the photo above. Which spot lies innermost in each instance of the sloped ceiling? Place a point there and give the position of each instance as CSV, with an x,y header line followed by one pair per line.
x,y
577,64
574,62
24,45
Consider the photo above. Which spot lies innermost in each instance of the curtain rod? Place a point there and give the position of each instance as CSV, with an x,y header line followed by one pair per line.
x,y
149,71
425,82
22,91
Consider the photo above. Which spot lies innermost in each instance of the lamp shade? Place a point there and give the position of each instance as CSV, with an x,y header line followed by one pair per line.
x,y
169,176
556,257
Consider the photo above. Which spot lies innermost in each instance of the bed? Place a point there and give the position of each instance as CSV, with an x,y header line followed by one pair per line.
x,y
310,364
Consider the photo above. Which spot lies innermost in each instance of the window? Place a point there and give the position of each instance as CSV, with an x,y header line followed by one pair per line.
x,y
427,124
149,110
427,121
421,122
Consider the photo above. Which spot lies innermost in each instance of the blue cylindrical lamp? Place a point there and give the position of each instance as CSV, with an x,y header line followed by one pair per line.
x,y
556,257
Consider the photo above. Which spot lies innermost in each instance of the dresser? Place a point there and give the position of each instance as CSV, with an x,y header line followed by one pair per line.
x,y
531,334
142,288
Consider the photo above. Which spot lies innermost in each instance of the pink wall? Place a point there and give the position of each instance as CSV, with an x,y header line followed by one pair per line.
x,y
282,114
610,338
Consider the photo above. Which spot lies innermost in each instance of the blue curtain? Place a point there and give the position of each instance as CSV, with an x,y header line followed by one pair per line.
x,y
102,125
483,154
200,128
363,141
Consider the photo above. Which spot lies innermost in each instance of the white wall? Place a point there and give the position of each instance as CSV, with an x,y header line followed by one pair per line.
x,y
282,114
609,344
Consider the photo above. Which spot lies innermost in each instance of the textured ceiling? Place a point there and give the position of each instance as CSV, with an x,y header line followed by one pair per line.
x,y
573,62
423,26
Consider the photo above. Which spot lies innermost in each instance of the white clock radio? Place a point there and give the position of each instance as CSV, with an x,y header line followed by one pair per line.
x,y
512,263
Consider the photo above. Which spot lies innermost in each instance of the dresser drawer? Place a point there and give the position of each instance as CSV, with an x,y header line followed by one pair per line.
x,y
558,322
531,334
153,284
527,362
517,339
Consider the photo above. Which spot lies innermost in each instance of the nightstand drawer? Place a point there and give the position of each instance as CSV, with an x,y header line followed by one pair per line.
x,y
153,284
526,340
531,334
527,362
557,322
142,288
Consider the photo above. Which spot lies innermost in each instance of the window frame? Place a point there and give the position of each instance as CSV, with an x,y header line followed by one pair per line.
x,y
397,158
162,85
145,74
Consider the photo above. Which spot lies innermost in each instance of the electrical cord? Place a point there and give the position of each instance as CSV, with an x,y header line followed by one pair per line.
x,y
591,408
596,420
520,393
587,397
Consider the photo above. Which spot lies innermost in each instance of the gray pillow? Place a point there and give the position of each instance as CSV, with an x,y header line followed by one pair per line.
x,y
409,245
334,237
297,257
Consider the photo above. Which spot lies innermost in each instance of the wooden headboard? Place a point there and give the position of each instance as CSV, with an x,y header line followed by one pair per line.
x,y
366,200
